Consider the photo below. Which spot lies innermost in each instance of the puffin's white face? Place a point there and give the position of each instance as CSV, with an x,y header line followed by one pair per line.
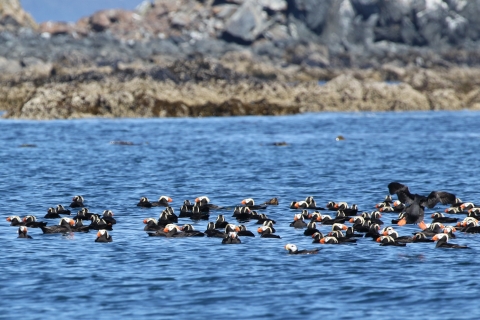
x,y
32,218
248,202
232,235
166,198
188,227
23,229
67,220
263,229
204,198
170,227
298,216
147,220
230,227
439,236
143,199
102,232
291,247
107,213
387,229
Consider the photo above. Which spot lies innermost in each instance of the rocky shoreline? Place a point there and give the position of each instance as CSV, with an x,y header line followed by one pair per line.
x,y
150,63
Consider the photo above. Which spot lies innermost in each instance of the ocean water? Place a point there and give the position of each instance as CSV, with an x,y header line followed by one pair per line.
x,y
46,163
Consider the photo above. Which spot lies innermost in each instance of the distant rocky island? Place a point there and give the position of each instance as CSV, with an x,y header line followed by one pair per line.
x,y
242,57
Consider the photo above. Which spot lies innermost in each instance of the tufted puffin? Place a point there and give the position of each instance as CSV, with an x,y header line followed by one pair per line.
x,y
151,225
107,215
163,201
267,232
188,228
243,232
343,206
15,221
144,203
231,238
103,236
84,214
298,222
61,210
212,232
198,214
404,195
31,222
292,249
350,233
442,242
221,222
311,228
242,213
52,214
440,217
204,201
263,217
389,241
414,213
22,233
77,202
250,203
341,237
317,236
65,225
98,224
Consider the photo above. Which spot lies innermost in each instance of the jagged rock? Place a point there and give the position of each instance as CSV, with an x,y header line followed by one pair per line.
x,y
431,21
313,13
13,16
247,23
338,24
274,5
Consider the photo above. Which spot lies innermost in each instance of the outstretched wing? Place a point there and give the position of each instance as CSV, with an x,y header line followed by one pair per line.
x,y
401,191
440,196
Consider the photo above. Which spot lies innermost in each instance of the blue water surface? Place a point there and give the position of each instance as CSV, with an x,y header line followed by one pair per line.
x,y
229,159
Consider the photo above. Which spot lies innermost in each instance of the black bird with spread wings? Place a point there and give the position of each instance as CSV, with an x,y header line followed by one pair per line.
x,y
404,195
416,203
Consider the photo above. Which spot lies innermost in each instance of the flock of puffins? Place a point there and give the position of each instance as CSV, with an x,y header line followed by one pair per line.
x,y
409,207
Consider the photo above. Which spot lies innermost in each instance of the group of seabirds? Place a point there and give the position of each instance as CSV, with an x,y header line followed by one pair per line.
x,y
409,207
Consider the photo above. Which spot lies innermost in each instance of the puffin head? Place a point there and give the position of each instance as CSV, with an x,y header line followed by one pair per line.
x,y
147,220
440,236
298,216
202,199
102,232
165,198
69,221
248,202
291,247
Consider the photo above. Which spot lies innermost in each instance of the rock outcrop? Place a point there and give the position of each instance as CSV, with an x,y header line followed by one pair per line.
x,y
242,57
12,16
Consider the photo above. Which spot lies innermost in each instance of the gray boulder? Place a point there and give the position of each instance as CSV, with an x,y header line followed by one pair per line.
x,y
247,23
